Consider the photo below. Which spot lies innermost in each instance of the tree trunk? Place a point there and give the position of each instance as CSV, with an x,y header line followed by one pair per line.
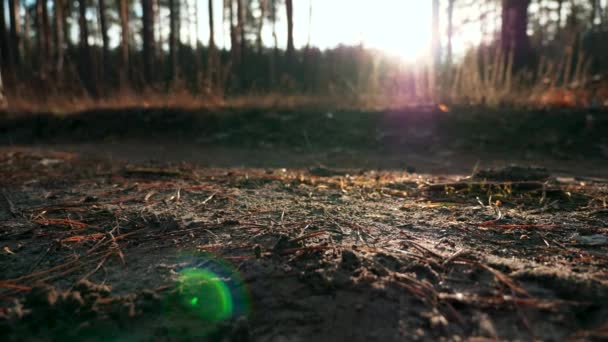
x,y
24,39
14,32
263,8
158,34
309,24
595,8
514,36
435,42
124,41
38,23
560,6
148,39
290,47
42,35
211,54
172,42
450,32
105,40
59,40
240,13
46,30
86,65
2,98
4,54
234,46
67,9
275,51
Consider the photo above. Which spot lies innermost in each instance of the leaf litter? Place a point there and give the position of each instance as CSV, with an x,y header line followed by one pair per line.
x,y
327,254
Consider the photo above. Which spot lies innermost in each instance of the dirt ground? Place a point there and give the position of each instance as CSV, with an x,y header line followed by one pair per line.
x,y
330,239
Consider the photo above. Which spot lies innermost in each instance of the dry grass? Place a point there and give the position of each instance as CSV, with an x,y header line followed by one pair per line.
x,y
484,77
487,77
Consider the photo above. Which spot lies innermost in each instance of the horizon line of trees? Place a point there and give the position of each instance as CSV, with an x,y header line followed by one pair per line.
x,y
38,51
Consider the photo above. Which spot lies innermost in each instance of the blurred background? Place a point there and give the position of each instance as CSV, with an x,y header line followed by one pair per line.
x,y
69,55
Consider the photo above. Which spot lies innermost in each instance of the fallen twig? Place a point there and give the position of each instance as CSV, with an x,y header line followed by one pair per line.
x,y
496,224
61,222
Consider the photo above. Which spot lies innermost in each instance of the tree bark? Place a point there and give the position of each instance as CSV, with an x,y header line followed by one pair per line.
x,y
42,35
148,39
4,53
514,36
290,46
67,9
275,51
46,30
124,41
59,40
2,98
450,32
24,41
105,59
234,45
86,66
172,42
240,13
14,32
560,5
263,8
435,42
211,54
595,7
38,23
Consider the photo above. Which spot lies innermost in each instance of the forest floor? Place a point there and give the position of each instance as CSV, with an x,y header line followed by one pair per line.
x,y
286,226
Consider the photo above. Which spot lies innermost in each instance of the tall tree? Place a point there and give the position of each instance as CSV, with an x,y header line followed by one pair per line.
x,y
514,36
435,40
42,35
234,45
173,32
211,53
86,64
2,98
560,6
124,41
275,51
67,10
58,33
450,33
105,40
14,33
263,7
309,24
290,47
4,55
24,38
148,38
240,22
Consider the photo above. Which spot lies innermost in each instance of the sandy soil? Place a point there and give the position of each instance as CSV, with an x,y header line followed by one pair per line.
x,y
234,244
271,225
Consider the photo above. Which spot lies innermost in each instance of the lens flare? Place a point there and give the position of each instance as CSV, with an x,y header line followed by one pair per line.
x,y
207,289
206,294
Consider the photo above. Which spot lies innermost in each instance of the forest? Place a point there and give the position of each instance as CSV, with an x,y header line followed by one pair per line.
x,y
303,170
545,52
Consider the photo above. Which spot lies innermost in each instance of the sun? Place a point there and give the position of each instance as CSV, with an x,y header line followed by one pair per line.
x,y
402,30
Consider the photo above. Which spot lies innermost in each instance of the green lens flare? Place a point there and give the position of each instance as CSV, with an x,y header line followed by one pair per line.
x,y
206,294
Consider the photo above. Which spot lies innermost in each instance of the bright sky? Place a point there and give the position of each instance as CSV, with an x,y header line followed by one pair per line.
x,y
401,28
397,27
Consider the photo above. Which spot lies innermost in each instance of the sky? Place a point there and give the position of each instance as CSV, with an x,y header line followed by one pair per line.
x,y
401,28
397,27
